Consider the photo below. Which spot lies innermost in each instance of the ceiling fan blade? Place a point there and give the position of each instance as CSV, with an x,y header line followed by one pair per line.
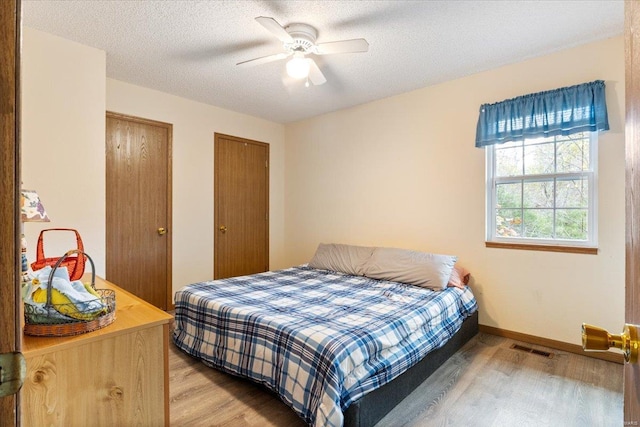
x,y
344,46
274,28
315,75
264,59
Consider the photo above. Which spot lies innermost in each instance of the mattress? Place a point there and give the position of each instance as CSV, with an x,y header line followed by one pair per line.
x,y
319,339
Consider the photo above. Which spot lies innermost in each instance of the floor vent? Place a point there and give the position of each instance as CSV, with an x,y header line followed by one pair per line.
x,y
532,350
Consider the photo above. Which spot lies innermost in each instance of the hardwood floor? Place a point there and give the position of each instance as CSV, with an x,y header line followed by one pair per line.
x,y
485,384
203,396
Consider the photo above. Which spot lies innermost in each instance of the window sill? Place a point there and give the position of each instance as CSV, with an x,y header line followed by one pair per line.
x,y
546,248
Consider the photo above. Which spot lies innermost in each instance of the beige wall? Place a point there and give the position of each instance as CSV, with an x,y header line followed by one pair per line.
x,y
194,125
63,99
404,172
65,96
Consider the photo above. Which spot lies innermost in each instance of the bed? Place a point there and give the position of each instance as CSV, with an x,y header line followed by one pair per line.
x,y
338,348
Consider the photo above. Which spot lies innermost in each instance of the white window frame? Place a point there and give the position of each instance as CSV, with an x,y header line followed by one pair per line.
x,y
491,199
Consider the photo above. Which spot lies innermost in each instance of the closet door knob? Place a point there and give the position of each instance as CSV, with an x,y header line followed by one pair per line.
x,y
223,228
162,231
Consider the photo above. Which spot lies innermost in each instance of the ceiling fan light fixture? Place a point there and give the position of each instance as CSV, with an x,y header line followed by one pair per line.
x,y
299,40
298,67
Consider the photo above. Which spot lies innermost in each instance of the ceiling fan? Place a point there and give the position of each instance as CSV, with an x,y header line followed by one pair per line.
x,y
299,40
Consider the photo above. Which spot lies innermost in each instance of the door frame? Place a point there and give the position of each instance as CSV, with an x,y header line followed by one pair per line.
x,y
169,128
10,314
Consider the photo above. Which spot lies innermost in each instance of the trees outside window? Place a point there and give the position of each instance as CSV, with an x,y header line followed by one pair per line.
x,y
543,190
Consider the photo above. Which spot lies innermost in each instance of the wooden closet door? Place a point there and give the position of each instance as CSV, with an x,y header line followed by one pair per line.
x,y
241,198
138,181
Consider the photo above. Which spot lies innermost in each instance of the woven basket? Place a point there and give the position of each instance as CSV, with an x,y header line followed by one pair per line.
x,y
48,321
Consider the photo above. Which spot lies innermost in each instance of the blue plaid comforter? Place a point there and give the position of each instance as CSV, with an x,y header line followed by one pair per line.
x,y
318,338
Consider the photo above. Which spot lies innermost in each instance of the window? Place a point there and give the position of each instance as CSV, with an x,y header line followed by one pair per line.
x,y
541,152
543,190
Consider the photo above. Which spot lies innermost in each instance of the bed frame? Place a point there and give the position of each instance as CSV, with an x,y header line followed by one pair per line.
x,y
373,406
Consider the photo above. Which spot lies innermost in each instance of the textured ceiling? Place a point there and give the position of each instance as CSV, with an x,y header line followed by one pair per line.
x,y
190,48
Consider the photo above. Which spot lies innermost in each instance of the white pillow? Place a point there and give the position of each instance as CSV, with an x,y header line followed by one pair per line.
x,y
347,259
415,268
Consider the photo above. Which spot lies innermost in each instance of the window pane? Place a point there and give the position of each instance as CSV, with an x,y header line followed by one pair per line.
x,y
538,223
509,195
573,153
572,193
540,189
572,224
508,223
509,161
538,194
538,159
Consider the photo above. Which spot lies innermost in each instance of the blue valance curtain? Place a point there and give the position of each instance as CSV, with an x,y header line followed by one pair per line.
x,y
555,112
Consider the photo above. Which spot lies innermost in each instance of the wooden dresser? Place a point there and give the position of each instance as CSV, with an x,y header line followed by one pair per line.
x,y
115,376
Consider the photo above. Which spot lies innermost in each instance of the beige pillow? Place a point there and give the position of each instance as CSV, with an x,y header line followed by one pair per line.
x,y
415,268
347,259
